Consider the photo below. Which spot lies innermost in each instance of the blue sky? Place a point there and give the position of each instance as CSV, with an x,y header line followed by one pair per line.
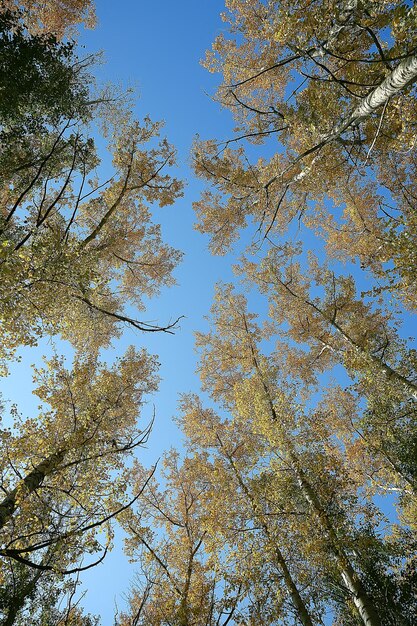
x,y
156,47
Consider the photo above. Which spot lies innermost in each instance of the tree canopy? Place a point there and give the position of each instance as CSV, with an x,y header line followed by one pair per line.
x,y
75,249
292,496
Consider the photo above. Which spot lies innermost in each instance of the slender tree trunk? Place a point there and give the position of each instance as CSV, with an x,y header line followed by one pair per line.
x,y
351,580
403,75
28,485
295,596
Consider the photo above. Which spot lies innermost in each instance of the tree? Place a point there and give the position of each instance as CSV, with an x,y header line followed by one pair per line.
x,y
329,90
74,251
257,517
247,384
335,104
42,598
57,18
339,327
167,535
42,83
63,473
248,525
40,79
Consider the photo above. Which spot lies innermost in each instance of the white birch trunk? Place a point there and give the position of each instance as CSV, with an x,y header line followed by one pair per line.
x,y
290,584
403,75
350,578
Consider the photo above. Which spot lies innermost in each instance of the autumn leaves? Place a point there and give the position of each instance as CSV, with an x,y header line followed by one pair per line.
x,y
317,82
75,252
320,397
280,510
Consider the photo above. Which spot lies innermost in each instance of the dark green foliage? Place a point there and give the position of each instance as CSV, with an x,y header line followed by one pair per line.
x,y
389,575
42,86
38,79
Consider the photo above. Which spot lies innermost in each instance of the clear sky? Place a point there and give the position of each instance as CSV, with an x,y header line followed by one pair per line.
x,y
156,48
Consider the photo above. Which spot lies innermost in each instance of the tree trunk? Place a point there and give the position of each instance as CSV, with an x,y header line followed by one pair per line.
x,y
28,485
403,75
351,580
295,596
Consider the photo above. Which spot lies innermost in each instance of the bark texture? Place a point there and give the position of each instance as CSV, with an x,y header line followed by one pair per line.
x,y
28,485
403,75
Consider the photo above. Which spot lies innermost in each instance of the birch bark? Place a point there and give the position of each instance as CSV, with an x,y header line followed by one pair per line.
x,y
403,75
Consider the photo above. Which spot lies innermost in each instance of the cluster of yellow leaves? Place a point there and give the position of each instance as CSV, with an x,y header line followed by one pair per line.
x,y
59,18
74,253
292,75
